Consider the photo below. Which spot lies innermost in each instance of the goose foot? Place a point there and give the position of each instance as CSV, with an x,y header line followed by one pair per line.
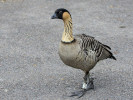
x,y
78,93
85,87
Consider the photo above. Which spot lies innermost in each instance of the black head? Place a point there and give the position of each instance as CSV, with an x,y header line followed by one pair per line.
x,y
59,13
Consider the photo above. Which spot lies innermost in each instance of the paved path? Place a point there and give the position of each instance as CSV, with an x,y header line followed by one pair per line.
x,y
30,68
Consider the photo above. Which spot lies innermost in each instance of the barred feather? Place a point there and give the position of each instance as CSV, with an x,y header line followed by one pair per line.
x,y
89,43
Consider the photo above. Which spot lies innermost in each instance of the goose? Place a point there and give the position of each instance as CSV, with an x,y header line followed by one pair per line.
x,y
80,51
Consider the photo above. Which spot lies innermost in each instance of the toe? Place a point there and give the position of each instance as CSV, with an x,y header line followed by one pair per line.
x,y
78,93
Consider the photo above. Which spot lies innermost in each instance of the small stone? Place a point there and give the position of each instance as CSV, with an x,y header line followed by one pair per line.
x,y
34,65
62,79
111,6
115,52
122,26
6,90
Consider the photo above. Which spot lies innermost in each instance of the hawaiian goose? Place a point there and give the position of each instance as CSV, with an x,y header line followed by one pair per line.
x,y
80,51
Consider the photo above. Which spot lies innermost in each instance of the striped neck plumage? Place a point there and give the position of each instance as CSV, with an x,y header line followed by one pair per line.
x,y
67,34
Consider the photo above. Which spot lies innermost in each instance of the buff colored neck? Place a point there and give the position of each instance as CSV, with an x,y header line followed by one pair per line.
x,y
67,34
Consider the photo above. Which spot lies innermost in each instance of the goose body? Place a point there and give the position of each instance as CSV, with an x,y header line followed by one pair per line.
x,y
80,51
83,53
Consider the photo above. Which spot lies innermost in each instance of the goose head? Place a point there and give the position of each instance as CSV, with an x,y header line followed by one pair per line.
x,y
61,13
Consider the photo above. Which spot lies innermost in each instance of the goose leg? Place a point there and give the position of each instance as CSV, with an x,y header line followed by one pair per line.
x,y
88,82
87,85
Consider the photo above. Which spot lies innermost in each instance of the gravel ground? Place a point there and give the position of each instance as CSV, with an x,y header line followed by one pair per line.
x,y
30,68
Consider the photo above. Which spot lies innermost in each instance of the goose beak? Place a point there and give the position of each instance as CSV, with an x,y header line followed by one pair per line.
x,y
54,17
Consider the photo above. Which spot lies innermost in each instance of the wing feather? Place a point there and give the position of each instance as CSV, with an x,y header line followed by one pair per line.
x,y
100,50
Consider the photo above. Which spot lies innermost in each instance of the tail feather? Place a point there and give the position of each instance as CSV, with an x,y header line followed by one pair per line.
x,y
112,57
107,46
110,54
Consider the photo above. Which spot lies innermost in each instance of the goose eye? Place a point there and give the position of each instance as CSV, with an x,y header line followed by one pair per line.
x,y
60,12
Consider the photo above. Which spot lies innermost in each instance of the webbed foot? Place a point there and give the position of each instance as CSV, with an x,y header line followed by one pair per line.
x,y
85,88
78,93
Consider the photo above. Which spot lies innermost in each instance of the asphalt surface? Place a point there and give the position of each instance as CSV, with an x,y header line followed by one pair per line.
x,y
30,68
